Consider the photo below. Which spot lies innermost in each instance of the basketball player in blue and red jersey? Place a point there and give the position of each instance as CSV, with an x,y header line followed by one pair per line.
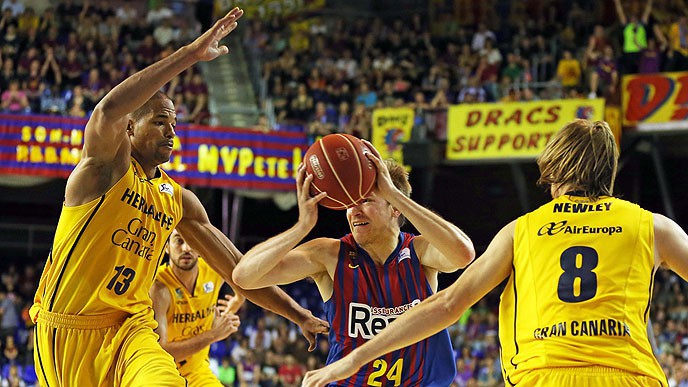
x,y
371,276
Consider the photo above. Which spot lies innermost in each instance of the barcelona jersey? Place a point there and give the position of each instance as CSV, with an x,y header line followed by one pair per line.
x,y
366,298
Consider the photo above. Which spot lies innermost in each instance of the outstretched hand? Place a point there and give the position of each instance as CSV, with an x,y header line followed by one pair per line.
x,y
207,46
310,329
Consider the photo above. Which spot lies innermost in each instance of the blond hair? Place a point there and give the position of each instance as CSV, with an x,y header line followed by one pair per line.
x,y
583,156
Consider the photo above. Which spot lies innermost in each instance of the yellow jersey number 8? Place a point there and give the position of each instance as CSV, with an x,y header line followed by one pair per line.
x,y
578,263
394,373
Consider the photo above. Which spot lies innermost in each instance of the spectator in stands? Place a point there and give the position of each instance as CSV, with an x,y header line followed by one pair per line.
x,y
16,6
605,79
28,21
94,86
14,99
240,349
227,372
280,102
196,96
11,42
473,92
569,71
678,43
50,70
78,104
25,58
269,370
47,21
248,370
14,378
158,13
321,123
53,101
34,85
651,58
481,36
302,105
148,50
514,68
366,96
71,68
463,373
634,36
165,33
290,373
543,60
10,352
180,106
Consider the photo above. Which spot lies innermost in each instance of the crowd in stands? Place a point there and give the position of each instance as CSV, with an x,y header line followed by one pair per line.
x,y
328,72
63,60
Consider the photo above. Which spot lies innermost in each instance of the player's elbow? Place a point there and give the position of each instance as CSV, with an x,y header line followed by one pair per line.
x,y
467,254
463,253
242,279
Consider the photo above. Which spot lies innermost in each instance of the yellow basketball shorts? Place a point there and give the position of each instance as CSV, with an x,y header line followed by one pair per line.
x,y
108,350
586,377
201,376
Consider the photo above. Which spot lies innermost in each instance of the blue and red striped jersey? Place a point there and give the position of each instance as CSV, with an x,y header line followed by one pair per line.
x,y
365,298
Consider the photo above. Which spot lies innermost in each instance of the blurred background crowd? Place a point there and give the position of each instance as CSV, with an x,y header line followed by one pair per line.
x,y
324,73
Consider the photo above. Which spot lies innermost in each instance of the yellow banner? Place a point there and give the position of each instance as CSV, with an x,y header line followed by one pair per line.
x,y
655,101
511,130
391,128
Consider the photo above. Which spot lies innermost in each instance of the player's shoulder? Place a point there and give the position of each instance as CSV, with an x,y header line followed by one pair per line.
x,y
320,248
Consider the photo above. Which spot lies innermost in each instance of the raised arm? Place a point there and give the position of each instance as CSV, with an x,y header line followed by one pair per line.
x,y
432,315
106,124
646,13
106,130
671,245
441,245
107,149
223,326
620,12
278,260
221,254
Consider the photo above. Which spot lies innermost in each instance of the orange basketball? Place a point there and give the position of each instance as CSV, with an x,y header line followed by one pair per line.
x,y
340,168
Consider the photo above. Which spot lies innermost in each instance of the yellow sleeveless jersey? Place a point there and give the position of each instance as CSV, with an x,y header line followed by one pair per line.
x,y
106,252
191,313
580,288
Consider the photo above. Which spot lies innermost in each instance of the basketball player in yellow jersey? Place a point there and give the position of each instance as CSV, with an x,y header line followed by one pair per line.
x,y
94,318
580,274
185,295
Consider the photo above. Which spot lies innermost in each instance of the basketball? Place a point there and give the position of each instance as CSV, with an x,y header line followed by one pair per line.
x,y
340,168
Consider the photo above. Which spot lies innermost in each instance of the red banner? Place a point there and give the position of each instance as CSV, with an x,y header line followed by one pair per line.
x,y
207,156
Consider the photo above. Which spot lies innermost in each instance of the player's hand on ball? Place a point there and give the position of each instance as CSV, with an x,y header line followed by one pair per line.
x,y
308,205
384,183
